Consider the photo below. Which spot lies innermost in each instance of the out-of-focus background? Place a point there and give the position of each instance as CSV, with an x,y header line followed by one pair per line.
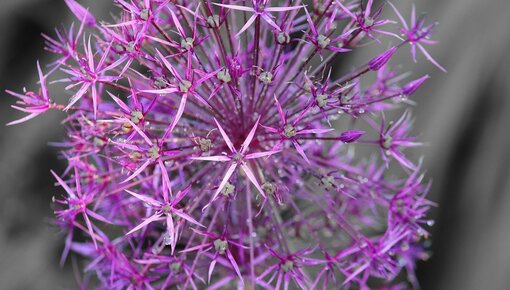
x,y
463,114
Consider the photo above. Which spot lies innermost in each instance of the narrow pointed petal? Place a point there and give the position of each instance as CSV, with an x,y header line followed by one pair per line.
x,y
250,136
247,25
430,58
167,187
138,171
77,96
234,265
404,24
199,247
220,158
119,102
64,185
144,198
188,218
252,178
227,176
170,228
22,120
140,132
89,228
314,131
270,21
229,143
42,80
300,151
235,7
280,111
180,195
81,13
178,116
283,9
149,220
260,154
211,269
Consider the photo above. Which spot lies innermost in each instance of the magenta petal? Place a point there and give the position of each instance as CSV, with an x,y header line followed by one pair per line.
x,y
227,176
188,218
81,13
143,198
234,265
249,138
149,220
225,137
252,178
221,158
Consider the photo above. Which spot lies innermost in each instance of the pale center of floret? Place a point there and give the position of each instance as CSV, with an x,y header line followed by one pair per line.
x,y
144,14
369,21
289,131
205,144
187,43
323,41
214,21
322,100
220,246
388,140
160,82
136,116
175,267
224,76
184,86
283,38
238,157
328,182
288,266
130,47
268,188
266,77
153,152
228,189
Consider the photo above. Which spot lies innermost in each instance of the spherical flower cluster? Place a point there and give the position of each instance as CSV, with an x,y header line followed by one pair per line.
x,y
219,144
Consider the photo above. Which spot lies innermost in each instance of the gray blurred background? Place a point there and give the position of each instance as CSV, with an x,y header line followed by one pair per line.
x,y
464,115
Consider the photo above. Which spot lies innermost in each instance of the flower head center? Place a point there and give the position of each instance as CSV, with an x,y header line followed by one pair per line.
x,y
224,76
214,21
238,157
153,152
187,43
184,86
289,131
266,77
228,189
288,266
220,246
322,100
136,116
144,14
323,41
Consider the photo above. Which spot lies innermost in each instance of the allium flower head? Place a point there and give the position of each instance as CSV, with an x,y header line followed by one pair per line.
x,y
204,146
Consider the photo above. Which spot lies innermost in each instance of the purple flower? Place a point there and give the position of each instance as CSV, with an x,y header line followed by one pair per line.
x,y
212,145
34,104
417,34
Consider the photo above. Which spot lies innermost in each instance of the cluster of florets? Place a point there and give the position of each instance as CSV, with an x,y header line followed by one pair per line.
x,y
204,145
